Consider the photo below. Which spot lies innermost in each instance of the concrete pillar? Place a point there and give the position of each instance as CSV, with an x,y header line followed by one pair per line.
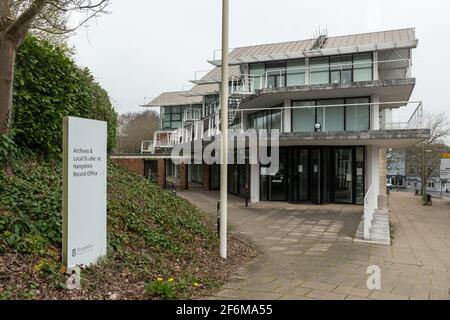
x,y
375,66
307,72
206,179
286,118
375,113
244,121
254,182
183,176
161,173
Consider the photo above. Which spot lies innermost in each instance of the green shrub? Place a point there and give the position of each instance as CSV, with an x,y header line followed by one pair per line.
x,y
48,86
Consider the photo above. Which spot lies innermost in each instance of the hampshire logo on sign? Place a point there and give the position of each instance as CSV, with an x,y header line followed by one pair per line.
x,y
84,191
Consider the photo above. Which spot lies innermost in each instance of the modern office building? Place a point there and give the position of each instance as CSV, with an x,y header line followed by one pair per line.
x,y
339,103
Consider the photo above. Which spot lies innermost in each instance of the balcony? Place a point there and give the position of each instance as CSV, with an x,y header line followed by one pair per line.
x,y
338,73
397,121
407,117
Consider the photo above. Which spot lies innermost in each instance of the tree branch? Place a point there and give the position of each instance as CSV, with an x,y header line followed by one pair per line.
x,y
21,24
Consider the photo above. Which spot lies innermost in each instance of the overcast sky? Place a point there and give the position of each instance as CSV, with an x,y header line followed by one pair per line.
x,y
143,48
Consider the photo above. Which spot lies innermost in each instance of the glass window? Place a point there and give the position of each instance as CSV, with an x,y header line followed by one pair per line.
x,y
362,68
172,117
275,120
303,119
276,72
257,71
320,69
341,69
357,114
295,71
331,118
265,120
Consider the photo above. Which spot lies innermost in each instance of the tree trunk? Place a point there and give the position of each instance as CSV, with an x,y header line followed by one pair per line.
x,y
8,50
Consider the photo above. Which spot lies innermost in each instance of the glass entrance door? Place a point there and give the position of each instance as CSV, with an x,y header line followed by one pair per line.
x,y
278,181
315,169
343,186
304,175
298,175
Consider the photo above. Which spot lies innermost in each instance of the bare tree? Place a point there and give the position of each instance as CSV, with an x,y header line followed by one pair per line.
x,y
17,18
135,127
424,158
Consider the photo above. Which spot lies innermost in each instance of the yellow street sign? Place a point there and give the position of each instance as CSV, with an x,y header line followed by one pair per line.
x,y
445,155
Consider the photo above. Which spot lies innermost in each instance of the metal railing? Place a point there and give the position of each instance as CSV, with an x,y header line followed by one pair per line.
x,y
370,204
147,147
167,139
249,83
404,120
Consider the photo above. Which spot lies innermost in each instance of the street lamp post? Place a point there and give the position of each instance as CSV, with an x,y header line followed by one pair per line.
x,y
224,131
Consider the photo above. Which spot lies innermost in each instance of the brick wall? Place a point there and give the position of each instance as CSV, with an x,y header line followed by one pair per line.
x,y
136,165
206,184
183,176
161,173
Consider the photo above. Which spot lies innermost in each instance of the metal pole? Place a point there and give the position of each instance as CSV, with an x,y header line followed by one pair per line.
x,y
224,131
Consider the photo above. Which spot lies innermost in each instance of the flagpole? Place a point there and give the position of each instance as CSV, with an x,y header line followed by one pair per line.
x,y
224,132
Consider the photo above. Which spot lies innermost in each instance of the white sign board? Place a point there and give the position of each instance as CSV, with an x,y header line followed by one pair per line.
x,y
445,169
84,191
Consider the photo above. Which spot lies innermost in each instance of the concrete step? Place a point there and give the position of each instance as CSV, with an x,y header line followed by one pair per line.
x,y
379,231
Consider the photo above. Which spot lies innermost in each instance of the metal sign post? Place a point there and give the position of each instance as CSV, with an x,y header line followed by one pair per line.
x,y
224,131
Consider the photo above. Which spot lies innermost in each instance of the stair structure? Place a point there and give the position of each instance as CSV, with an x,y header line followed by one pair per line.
x,y
379,232
233,106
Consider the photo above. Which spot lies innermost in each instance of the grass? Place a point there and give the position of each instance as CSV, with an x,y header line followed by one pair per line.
x,y
151,234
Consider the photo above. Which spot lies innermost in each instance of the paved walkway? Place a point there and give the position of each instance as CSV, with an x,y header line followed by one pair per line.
x,y
308,251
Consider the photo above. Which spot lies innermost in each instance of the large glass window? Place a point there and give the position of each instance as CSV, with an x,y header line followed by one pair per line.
x,y
357,114
331,118
295,71
211,104
265,120
320,69
304,118
351,114
172,117
363,67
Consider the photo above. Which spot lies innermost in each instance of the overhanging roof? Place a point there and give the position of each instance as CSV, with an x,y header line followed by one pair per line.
x,y
176,98
215,75
365,42
200,90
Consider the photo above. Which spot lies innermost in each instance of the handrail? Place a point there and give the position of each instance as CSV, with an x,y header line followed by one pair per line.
x,y
369,209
